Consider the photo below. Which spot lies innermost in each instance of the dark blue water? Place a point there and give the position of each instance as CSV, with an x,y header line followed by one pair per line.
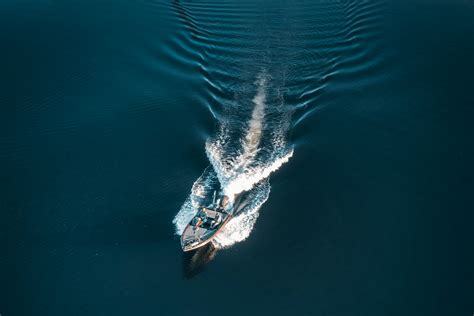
x,y
112,110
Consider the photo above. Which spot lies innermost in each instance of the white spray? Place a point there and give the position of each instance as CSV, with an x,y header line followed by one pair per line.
x,y
242,171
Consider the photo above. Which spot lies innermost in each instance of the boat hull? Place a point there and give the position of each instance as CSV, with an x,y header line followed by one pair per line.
x,y
207,223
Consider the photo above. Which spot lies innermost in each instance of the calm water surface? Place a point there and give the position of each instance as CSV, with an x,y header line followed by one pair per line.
x,y
112,110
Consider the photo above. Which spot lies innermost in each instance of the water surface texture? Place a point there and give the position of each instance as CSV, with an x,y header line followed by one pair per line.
x,y
348,125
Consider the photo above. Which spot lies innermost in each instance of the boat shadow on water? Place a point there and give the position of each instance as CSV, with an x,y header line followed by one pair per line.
x,y
195,262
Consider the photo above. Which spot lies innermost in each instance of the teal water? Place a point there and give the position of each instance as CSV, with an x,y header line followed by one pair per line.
x,y
348,124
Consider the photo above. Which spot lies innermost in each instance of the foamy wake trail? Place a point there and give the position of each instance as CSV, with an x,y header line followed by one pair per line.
x,y
240,226
245,169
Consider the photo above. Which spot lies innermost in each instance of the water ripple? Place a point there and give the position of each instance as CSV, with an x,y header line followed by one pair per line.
x,y
301,56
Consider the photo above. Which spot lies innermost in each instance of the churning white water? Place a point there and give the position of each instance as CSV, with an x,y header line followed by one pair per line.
x,y
245,169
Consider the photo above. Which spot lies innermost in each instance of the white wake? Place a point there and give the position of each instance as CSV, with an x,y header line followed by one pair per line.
x,y
245,169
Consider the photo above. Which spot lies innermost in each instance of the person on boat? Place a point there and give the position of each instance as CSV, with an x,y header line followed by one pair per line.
x,y
204,215
200,218
216,221
197,221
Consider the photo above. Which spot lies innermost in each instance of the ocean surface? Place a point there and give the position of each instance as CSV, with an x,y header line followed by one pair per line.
x,y
346,124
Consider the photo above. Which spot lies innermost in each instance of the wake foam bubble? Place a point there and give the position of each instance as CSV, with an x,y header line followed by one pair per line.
x,y
242,168
240,226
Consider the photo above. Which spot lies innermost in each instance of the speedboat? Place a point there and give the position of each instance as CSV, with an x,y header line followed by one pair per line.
x,y
207,223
